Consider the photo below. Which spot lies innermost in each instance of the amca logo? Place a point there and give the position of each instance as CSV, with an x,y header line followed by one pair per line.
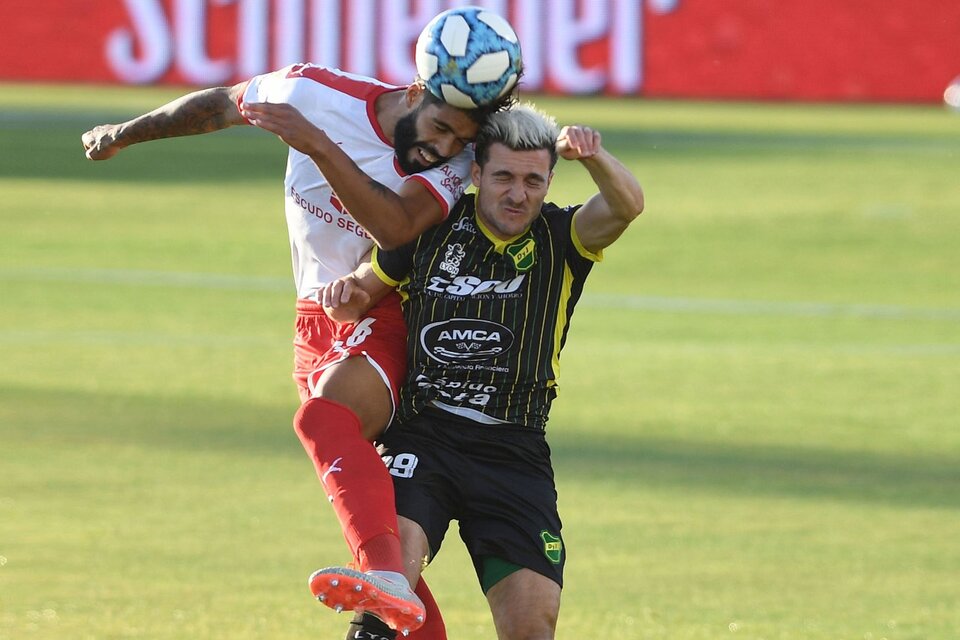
x,y
465,340
472,286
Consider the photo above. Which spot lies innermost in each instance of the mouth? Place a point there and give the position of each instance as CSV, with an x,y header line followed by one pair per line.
x,y
429,157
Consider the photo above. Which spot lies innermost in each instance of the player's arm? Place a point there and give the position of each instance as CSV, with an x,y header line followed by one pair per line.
x,y
392,219
601,220
198,112
348,299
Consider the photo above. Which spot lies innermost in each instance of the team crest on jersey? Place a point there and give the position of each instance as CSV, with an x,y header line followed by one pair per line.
x,y
524,254
552,546
452,259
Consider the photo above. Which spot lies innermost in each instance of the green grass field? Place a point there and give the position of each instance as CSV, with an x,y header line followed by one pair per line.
x,y
758,428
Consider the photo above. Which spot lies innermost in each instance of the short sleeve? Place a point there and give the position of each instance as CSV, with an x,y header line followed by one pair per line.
x,y
268,87
393,266
448,181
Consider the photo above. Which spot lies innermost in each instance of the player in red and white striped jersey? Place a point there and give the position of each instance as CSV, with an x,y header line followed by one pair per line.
x,y
368,162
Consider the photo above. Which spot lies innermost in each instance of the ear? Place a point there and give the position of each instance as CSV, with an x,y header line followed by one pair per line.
x,y
414,94
549,179
475,171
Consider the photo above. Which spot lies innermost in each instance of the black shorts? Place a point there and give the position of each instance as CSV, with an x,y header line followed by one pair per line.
x,y
496,481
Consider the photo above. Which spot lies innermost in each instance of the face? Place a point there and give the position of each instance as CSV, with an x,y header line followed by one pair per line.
x,y
511,188
430,135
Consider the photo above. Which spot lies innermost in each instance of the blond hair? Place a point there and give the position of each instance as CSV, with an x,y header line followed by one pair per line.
x,y
522,128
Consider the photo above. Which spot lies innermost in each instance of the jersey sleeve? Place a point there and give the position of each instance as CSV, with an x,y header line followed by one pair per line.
x,y
393,266
275,86
578,245
448,181
579,258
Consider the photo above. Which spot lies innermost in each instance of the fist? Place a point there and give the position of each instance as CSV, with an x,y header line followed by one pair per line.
x,y
577,143
100,142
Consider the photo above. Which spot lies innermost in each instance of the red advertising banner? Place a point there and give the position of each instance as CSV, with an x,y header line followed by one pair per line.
x,y
857,50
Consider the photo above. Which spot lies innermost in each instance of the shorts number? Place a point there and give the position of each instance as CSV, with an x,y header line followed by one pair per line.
x,y
401,466
360,333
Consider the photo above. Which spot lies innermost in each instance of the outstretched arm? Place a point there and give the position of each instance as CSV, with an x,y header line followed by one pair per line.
x,y
601,220
198,112
392,219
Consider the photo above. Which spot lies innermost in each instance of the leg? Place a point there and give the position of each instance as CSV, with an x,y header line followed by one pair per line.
x,y
525,606
350,405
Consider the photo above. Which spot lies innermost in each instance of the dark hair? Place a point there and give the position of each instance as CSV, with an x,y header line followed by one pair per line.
x,y
482,113
522,128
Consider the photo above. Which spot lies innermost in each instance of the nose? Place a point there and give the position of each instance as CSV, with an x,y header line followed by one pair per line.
x,y
449,146
517,193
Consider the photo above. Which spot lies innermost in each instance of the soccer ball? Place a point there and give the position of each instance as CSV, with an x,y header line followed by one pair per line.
x,y
468,57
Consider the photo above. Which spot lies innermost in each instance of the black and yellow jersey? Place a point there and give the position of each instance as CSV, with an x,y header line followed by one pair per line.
x,y
487,318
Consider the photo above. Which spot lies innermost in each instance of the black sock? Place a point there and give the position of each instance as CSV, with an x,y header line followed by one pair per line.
x,y
369,627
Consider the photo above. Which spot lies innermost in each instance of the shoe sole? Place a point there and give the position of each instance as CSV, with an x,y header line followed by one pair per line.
x,y
344,589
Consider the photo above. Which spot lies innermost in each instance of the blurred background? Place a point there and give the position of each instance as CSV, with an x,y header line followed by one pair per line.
x,y
757,433
858,50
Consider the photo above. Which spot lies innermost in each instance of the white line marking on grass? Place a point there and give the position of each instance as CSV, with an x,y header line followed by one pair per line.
x,y
145,278
130,338
232,282
763,308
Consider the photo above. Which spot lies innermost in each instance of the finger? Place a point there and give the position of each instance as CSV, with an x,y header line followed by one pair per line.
x,y
346,292
333,294
324,295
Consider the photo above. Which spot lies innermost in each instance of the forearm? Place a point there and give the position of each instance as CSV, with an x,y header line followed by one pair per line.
x,y
378,209
617,185
195,113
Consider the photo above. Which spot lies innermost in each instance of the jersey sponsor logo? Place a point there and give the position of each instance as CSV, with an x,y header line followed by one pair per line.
x,y
463,340
473,286
477,394
326,216
452,182
464,224
452,259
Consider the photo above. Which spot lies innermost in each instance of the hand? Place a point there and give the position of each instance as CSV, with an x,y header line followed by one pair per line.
x,y
339,294
286,122
578,143
100,143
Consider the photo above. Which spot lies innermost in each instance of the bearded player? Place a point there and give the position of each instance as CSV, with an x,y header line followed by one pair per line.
x,y
368,162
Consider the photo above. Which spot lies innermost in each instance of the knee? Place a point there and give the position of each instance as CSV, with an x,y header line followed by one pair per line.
x,y
318,416
305,419
527,624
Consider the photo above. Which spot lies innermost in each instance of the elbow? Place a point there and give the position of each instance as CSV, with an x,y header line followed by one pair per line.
x,y
388,243
635,206
396,237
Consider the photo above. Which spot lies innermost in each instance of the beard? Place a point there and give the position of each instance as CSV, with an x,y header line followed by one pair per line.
x,y
405,141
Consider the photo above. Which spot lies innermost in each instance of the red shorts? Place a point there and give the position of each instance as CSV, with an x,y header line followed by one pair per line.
x,y
380,336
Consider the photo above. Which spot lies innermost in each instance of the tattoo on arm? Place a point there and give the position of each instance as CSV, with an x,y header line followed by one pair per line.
x,y
198,112
380,189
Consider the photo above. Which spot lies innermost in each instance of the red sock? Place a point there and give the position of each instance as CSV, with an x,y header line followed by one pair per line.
x,y
379,552
433,628
355,479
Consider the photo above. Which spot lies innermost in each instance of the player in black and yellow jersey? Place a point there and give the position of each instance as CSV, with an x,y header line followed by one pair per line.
x,y
488,296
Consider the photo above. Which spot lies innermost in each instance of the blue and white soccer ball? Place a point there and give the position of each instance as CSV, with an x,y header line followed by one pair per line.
x,y
468,57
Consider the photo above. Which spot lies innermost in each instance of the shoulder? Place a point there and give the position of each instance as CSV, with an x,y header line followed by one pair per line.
x,y
306,79
555,217
357,86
